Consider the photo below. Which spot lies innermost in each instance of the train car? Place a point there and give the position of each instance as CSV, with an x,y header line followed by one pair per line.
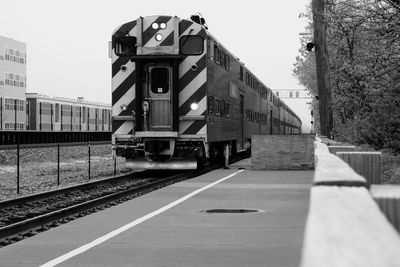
x,y
179,96
45,113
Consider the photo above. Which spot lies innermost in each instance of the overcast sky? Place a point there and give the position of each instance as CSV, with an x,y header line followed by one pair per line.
x,y
67,40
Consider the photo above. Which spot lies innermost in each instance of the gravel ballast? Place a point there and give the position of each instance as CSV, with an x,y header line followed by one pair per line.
x,y
38,168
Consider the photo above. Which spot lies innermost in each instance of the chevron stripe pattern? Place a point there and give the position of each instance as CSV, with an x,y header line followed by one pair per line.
x,y
192,84
123,84
192,76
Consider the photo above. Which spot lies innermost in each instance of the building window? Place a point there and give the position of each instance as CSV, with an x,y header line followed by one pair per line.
x,y
13,79
9,104
297,94
20,105
290,94
15,55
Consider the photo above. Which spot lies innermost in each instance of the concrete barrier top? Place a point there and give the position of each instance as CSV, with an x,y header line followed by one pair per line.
x,y
360,152
385,191
345,228
332,170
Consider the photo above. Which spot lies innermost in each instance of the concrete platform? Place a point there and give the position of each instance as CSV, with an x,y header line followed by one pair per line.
x,y
182,233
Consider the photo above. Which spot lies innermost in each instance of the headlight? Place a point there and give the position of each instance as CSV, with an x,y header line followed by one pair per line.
x,y
123,107
155,25
194,106
159,37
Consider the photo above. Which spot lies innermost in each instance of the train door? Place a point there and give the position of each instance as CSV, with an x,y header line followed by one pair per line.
x,y
160,98
241,122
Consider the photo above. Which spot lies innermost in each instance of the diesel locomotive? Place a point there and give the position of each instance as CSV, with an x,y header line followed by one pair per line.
x,y
179,96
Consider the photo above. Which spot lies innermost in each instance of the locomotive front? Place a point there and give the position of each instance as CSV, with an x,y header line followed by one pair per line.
x,y
158,92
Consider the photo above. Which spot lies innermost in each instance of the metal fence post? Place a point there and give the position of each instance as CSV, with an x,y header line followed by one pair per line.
x,y
89,158
115,165
17,168
58,164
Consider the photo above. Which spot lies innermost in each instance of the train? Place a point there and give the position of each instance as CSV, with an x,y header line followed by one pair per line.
x,y
180,97
46,113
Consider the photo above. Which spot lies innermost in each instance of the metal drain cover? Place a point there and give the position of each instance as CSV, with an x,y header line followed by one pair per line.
x,y
231,210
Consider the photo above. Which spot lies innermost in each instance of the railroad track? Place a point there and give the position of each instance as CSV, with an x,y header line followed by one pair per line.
x,y
26,216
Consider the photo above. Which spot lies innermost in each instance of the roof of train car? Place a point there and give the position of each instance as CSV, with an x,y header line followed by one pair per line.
x,y
66,100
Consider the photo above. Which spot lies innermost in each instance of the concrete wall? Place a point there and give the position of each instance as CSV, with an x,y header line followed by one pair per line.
x,y
345,227
282,152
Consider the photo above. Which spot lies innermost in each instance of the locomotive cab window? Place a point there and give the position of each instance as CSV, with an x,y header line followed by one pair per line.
x,y
159,80
191,45
125,46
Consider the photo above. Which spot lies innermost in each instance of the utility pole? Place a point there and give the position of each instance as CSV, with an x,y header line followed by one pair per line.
x,y
322,63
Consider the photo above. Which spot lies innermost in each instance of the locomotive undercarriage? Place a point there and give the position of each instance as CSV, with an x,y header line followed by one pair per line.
x,y
162,153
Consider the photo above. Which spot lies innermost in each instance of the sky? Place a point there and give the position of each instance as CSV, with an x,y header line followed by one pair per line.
x,y
67,41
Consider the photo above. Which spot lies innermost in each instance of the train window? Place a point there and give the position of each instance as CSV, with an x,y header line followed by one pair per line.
x,y
210,104
216,52
226,109
222,109
159,80
84,115
222,59
191,45
227,63
211,48
125,46
57,115
216,106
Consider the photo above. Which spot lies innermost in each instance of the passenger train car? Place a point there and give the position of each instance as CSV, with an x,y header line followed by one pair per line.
x,y
179,96
45,113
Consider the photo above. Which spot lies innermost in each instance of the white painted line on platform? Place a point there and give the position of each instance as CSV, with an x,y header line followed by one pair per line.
x,y
122,229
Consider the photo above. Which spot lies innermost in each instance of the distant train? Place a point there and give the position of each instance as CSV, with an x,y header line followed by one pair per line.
x,y
46,113
179,96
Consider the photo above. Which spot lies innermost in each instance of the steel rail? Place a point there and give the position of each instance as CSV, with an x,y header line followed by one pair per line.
x,y
30,226
47,194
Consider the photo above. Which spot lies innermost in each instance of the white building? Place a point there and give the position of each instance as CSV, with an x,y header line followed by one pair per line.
x,y
299,100
12,84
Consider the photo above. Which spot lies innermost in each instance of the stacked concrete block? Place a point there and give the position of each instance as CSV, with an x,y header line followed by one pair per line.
x,y
278,152
367,164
